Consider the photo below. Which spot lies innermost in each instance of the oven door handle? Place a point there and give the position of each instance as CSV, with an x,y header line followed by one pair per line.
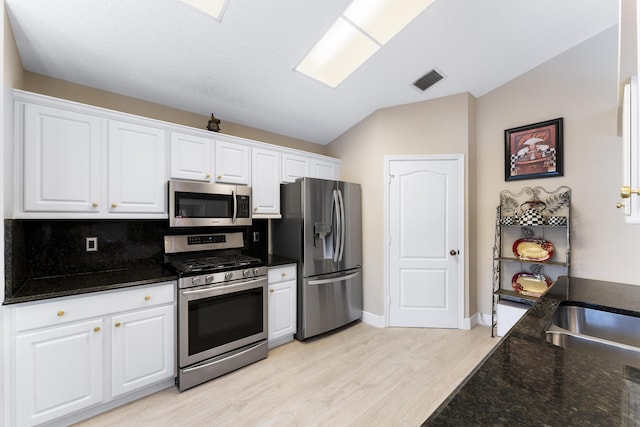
x,y
221,287
217,360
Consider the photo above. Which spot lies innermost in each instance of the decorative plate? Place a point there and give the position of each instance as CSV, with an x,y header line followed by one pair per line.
x,y
533,250
530,284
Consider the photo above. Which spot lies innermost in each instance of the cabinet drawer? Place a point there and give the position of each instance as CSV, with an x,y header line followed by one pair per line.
x,y
71,309
281,274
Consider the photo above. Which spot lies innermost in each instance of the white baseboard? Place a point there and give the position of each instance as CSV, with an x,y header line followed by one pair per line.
x,y
373,319
467,323
484,319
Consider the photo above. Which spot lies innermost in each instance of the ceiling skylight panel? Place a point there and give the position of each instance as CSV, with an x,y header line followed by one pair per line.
x,y
337,54
214,8
383,19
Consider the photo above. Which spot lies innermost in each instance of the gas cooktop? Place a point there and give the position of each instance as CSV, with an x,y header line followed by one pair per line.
x,y
215,263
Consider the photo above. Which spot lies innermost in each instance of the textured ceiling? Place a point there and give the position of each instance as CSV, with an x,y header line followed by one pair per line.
x,y
242,68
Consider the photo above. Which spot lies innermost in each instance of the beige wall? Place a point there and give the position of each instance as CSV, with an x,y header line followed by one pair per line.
x,y
13,76
45,85
580,86
441,126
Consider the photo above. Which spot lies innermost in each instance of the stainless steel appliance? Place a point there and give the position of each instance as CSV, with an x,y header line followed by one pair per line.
x,y
222,305
321,227
199,204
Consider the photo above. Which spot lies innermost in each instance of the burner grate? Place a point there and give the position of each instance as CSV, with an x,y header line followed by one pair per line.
x,y
214,263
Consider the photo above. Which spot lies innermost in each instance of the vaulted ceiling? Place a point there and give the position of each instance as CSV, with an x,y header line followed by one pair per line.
x,y
242,67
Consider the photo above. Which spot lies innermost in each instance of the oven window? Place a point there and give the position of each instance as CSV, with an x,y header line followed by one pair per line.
x,y
219,320
200,205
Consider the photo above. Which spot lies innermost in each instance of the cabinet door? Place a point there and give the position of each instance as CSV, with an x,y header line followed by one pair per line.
x,y
137,168
191,157
265,184
142,351
58,371
62,170
294,167
324,169
282,309
232,163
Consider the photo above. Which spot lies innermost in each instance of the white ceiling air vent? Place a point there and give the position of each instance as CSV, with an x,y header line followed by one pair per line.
x,y
428,80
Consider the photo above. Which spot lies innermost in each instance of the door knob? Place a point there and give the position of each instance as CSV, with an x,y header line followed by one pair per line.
x,y
453,252
626,191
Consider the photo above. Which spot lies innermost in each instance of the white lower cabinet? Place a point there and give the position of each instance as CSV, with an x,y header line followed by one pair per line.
x,y
59,371
141,349
72,354
282,304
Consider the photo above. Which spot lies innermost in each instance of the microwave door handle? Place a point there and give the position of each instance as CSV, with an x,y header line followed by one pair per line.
x,y
336,234
343,228
235,206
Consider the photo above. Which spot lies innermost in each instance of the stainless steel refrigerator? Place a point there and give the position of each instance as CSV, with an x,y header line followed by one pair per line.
x,y
321,228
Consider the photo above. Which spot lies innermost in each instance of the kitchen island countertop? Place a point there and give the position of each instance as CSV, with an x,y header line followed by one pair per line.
x,y
527,381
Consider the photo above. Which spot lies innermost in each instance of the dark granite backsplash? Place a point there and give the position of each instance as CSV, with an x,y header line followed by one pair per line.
x,y
49,248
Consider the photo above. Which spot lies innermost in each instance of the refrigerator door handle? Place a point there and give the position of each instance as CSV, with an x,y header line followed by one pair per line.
x,y
343,228
333,280
336,237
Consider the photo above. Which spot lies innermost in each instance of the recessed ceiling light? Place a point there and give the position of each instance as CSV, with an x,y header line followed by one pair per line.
x,y
337,54
362,29
214,8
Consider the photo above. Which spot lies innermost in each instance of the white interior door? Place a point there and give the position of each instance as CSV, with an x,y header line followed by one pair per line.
x,y
425,262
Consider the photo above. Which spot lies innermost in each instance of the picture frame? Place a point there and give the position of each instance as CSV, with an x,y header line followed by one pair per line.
x,y
534,151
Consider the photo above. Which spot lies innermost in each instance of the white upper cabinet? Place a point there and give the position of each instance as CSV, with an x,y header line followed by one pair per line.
x,y
137,168
191,157
232,162
294,166
265,185
62,168
324,169
78,161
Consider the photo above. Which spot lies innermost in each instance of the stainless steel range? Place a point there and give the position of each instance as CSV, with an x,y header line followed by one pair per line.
x,y
222,305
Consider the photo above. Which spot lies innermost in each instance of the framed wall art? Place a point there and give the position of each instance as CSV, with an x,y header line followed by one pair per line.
x,y
533,151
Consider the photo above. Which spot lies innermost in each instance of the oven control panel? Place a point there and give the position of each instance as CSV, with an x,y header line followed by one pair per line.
x,y
206,239
174,244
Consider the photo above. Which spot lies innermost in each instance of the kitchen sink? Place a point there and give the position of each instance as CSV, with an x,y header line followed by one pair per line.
x,y
602,331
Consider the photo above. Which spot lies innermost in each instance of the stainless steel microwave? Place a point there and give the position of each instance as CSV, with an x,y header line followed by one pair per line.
x,y
199,204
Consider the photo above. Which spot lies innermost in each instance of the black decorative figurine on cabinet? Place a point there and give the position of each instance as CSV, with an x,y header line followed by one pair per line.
x,y
214,124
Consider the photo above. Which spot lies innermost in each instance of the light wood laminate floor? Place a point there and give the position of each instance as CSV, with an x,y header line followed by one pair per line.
x,y
358,376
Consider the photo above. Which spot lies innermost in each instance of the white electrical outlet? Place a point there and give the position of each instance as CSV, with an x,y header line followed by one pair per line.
x,y
92,244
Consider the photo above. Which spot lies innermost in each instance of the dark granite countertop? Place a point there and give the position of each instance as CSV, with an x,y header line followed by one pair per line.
x,y
276,260
61,286
527,381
